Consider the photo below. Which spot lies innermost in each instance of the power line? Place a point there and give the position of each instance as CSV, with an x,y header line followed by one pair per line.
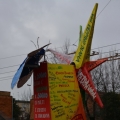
x,y
99,14
104,8
110,51
12,56
9,66
61,47
7,72
105,46
58,47
6,77
10,77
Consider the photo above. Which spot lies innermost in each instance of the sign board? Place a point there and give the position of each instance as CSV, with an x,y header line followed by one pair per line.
x,y
56,93
41,93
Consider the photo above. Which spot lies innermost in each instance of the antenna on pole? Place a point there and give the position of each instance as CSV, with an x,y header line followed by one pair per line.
x,y
37,42
34,44
31,82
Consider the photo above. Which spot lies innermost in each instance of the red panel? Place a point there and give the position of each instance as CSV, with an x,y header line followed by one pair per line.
x,y
85,81
41,93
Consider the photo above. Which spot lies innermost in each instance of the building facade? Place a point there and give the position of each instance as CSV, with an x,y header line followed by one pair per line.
x,y
5,106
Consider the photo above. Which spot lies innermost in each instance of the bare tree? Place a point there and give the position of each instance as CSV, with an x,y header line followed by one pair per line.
x,y
66,46
106,78
27,95
52,58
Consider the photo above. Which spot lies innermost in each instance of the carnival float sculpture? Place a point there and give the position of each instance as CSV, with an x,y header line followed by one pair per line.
x,y
57,86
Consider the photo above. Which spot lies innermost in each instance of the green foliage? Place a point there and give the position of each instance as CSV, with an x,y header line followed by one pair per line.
x,y
16,110
111,110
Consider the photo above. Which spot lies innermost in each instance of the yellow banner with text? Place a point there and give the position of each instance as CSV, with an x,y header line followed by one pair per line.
x,y
65,98
83,51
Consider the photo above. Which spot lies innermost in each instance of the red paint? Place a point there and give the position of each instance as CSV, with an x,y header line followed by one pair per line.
x,y
85,81
41,96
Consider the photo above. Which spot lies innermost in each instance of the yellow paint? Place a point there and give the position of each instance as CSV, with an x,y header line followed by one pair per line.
x,y
83,51
65,97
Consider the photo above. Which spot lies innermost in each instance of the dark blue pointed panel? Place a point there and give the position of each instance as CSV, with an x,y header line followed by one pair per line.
x,y
26,68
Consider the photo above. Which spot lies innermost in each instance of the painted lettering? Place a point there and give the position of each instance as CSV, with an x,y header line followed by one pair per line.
x,y
43,116
44,88
42,95
82,79
41,75
41,109
58,72
64,85
68,76
54,108
39,102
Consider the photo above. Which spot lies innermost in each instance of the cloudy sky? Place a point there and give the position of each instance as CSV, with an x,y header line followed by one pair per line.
x,y
50,20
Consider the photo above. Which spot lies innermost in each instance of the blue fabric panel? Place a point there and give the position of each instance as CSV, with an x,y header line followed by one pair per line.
x,y
32,61
17,74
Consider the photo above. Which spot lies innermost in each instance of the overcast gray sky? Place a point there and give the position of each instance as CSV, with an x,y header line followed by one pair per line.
x,y
54,20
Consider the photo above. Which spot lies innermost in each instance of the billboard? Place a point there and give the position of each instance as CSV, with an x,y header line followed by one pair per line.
x,y
41,93
56,93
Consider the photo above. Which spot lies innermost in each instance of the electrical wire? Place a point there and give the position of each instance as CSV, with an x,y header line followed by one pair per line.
x,y
105,46
12,56
9,66
61,47
8,72
99,14
6,77
103,8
